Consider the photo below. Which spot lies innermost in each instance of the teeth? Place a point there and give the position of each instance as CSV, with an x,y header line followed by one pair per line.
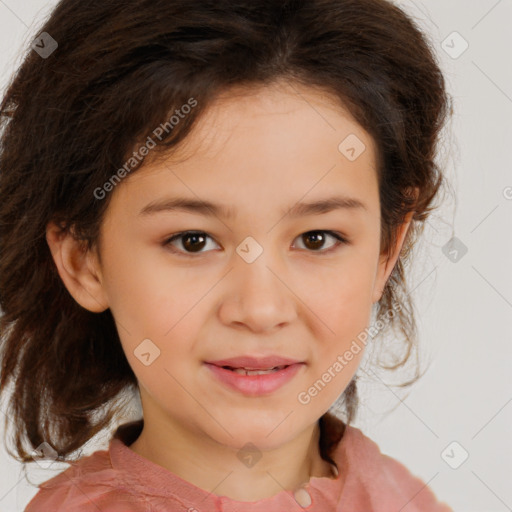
x,y
244,371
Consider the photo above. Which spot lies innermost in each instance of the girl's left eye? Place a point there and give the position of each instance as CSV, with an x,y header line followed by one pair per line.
x,y
195,241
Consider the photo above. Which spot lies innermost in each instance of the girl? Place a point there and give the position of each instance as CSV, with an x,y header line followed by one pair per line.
x,y
202,202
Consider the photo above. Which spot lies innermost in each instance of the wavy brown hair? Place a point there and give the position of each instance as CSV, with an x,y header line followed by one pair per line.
x,y
71,119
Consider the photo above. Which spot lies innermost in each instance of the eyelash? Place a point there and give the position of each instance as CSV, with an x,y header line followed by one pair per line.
x,y
167,243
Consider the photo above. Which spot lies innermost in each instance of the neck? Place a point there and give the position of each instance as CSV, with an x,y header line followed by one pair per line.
x,y
204,463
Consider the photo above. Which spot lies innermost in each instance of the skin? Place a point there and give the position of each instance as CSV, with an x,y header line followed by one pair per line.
x,y
259,152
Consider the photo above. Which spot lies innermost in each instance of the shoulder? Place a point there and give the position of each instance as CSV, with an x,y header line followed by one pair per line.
x,y
88,485
387,483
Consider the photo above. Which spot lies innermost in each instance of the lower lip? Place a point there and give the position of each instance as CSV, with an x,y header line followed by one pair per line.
x,y
255,385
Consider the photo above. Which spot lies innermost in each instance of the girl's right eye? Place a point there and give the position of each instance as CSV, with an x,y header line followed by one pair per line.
x,y
192,241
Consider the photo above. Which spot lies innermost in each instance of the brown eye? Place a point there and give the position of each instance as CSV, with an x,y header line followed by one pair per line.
x,y
191,242
315,240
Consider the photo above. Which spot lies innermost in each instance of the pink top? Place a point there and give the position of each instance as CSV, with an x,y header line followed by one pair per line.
x,y
120,480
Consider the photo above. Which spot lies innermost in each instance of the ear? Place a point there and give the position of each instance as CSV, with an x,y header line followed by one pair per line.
x,y
386,264
78,268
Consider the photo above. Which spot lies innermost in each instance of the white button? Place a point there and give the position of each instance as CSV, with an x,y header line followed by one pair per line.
x,y
302,497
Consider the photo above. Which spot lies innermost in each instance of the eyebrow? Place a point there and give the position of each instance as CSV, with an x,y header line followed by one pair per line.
x,y
218,210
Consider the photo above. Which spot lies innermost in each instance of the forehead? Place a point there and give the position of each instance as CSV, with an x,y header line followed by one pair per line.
x,y
265,145
274,111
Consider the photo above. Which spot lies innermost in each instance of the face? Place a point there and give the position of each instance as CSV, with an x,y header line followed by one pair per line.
x,y
252,280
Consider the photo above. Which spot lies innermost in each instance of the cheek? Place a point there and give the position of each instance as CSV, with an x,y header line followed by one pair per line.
x,y
344,306
143,290
159,304
342,298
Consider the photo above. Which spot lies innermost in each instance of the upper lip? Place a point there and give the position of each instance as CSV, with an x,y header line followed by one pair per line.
x,y
255,363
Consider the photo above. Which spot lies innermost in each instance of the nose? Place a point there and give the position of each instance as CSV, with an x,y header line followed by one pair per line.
x,y
257,295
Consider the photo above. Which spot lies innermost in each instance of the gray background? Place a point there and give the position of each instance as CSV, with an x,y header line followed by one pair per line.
x,y
464,307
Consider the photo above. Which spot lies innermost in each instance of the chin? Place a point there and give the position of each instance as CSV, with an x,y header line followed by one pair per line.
x,y
266,434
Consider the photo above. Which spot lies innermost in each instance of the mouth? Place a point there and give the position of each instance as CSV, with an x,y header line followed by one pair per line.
x,y
255,371
261,363
254,381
